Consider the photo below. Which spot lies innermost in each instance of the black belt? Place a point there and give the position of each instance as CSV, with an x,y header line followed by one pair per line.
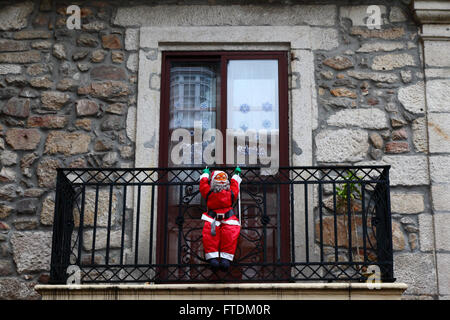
x,y
216,216
220,216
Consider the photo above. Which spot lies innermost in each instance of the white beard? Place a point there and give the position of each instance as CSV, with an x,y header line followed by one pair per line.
x,y
219,186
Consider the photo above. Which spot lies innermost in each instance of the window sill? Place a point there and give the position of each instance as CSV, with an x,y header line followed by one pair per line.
x,y
263,291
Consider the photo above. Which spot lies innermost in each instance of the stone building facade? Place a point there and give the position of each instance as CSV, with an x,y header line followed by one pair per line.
x,y
79,98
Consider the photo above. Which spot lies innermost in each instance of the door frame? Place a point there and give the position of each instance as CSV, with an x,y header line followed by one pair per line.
x,y
284,128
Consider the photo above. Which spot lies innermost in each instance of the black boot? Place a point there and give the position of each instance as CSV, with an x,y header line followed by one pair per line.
x,y
224,264
214,263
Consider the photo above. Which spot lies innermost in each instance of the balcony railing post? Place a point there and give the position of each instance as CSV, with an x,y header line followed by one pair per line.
x,y
389,255
384,227
62,229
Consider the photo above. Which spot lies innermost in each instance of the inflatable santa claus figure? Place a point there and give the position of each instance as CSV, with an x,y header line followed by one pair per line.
x,y
221,228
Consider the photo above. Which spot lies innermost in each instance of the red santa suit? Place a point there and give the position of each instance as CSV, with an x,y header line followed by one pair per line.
x,y
221,229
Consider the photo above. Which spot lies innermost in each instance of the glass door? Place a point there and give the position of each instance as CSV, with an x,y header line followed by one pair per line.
x,y
237,92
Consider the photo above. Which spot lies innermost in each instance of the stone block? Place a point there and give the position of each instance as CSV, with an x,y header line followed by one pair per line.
x,y
9,69
86,107
12,45
131,39
7,175
132,62
443,266
374,76
441,197
407,170
338,62
413,97
67,143
442,231
388,34
47,121
31,250
396,147
381,46
15,289
407,203
87,40
439,169
48,210
54,100
44,82
23,139
218,15
439,132
33,34
324,39
426,232
46,172
131,124
17,107
420,139
341,145
10,192
417,270
108,73
434,56
111,41
365,118
20,57
108,90
438,95
15,17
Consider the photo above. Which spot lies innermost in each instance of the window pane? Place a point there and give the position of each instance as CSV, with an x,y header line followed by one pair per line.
x,y
252,98
252,94
194,96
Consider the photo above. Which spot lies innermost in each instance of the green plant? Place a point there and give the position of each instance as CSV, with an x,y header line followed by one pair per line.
x,y
351,189
355,192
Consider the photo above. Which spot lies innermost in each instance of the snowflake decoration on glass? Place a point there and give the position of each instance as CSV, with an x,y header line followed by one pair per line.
x,y
205,123
243,126
204,105
244,108
177,104
267,124
267,106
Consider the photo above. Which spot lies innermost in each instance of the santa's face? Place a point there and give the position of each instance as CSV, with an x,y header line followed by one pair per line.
x,y
220,182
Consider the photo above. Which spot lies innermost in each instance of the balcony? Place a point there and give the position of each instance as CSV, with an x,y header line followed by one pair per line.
x,y
322,224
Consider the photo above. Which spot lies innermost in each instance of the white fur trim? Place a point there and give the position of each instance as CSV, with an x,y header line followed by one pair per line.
x,y
211,255
205,175
227,256
237,178
209,219
231,222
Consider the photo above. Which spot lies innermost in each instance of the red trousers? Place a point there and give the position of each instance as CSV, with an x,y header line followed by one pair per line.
x,y
224,243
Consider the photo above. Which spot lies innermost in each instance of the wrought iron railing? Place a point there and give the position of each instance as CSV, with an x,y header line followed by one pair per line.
x,y
143,225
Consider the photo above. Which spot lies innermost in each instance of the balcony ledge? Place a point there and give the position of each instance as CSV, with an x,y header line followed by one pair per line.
x,y
262,291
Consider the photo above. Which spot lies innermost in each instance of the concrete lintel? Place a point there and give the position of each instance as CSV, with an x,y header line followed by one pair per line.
x,y
297,36
246,291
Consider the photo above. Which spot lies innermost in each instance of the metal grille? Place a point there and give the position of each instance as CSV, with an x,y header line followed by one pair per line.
x,y
143,225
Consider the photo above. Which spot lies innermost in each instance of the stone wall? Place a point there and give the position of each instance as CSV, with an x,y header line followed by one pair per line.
x,y
68,99
64,100
372,111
